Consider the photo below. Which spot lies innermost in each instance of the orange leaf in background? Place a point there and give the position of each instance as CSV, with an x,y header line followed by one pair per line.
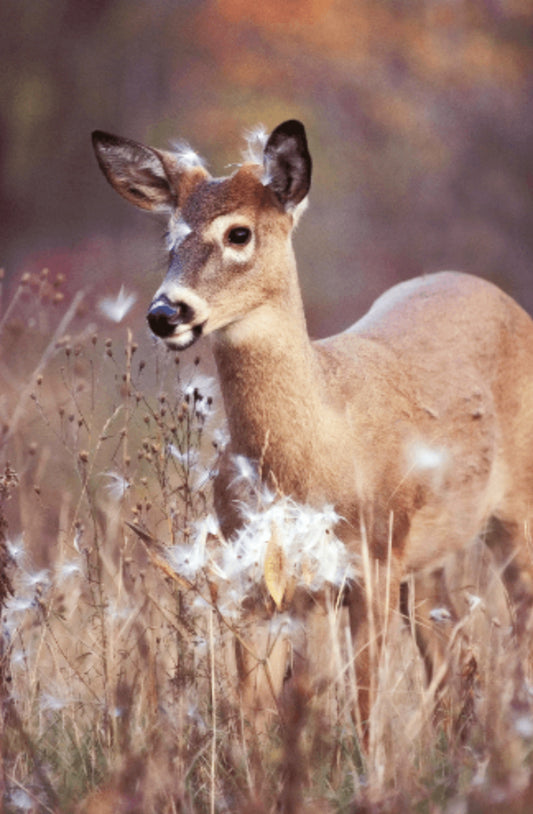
x,y
275,13
441,44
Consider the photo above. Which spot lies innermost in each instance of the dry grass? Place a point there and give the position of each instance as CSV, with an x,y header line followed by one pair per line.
x,y
119,680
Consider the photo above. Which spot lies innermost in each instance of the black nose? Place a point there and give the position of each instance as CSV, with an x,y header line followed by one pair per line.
x,y
163,317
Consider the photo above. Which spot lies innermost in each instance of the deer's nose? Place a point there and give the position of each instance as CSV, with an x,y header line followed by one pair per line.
x,y
163,317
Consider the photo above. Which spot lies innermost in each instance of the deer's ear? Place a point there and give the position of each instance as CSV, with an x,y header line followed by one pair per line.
x,y
288,163
135,171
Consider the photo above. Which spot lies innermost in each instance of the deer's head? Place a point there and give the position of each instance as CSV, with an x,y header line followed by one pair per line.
x,y
228,238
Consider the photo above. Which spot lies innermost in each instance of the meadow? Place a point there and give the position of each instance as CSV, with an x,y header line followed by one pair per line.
x,y
121,608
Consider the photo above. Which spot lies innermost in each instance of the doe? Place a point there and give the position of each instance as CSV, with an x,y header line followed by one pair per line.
x,y
416,423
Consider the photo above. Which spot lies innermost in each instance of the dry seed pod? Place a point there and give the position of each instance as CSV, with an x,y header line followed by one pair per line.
x,y
275,569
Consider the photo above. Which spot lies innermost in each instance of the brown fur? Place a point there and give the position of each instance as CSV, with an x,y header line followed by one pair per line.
x,y
442,366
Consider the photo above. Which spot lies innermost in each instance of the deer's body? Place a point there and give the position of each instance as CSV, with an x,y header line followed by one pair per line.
x,y
409,412
415,422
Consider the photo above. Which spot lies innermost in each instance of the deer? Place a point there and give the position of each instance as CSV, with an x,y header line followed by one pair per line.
x,y
415,423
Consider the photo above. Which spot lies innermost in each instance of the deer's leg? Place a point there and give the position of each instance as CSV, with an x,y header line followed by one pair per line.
x,y
372,604
361,643
426,604
512,549
262,658
280,669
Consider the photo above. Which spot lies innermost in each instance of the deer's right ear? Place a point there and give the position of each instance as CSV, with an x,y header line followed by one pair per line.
x,y
135,171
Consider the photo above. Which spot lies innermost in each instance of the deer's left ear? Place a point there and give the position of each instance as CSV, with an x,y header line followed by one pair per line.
x,y
288,163
136,172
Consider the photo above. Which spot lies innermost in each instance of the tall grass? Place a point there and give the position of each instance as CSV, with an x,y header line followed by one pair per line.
x,y
127,620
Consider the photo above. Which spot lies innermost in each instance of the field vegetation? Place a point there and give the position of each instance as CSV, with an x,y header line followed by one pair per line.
x,y
121,607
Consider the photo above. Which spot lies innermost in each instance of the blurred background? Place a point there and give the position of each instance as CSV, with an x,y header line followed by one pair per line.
x,y
419,117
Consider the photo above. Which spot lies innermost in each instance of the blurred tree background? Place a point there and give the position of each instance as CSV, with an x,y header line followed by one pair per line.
x,y
419,116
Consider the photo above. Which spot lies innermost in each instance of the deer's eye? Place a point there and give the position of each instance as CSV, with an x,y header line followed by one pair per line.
x,y
238,236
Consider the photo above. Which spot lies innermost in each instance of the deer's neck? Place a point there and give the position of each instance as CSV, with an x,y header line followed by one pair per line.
x,y
272,384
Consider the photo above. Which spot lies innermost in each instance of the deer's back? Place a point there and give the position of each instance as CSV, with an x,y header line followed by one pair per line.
x,y
440,339
437,386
